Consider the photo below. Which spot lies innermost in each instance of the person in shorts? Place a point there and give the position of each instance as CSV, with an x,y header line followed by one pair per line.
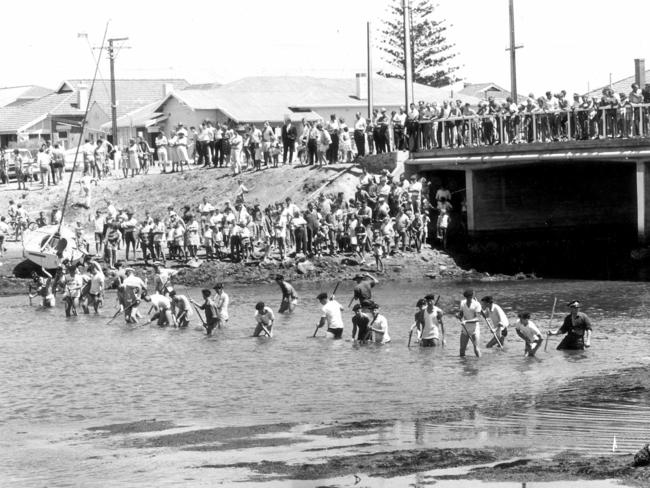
x,y
331,316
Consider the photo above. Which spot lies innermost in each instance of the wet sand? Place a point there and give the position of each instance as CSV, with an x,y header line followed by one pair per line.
x,y
339,455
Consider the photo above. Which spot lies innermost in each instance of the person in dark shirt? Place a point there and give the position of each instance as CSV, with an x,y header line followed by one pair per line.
x,y
360,323
363,289
577,328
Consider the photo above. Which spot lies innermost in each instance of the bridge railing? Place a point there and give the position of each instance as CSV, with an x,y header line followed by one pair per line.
x,y
629,121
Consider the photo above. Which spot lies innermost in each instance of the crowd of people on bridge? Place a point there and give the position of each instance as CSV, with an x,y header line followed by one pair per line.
x,y
552,117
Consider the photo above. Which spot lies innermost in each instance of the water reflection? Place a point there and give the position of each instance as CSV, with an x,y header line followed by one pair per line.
x,y
80,372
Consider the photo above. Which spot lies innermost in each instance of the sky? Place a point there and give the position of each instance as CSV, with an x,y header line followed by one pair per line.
x,y
572,45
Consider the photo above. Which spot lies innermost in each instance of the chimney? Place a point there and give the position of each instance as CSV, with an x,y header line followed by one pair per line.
x,y
82,96
167,89
362,86
639,72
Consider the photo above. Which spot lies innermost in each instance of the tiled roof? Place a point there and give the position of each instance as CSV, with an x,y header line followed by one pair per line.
x,y
14,118
131,94
483,90
621,86
260,98
13,95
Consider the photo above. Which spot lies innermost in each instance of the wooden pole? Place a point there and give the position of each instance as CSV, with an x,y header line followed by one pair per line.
x,y
513,55
408,67
370,86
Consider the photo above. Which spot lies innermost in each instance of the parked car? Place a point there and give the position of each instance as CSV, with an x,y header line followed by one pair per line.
x,y
29,163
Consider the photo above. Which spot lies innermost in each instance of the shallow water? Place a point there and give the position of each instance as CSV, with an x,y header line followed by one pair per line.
x,y
59,377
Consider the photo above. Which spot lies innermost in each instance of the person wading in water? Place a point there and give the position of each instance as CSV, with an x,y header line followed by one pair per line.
x,y
289,297
470,310
577,327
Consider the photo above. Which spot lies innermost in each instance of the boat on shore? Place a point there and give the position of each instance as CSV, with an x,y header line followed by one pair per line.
x,y
50,246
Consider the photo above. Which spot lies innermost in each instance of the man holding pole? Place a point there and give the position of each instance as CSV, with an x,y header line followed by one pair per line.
x,y
429,321
331,315
577,328
470,310
363,289
499,321
264,318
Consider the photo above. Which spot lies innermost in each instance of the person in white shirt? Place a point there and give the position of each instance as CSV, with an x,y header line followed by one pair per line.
x,y
470,311
331,316
99,223
206,207
162,306
221,300
161,151
529,332
429,322
360,127
499,321
379,326
96,291
264,318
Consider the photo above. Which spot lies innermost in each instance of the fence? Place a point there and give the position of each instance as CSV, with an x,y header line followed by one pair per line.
x,y
530,127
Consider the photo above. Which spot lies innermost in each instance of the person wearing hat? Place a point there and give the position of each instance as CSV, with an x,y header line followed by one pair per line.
x,y
222,300
264,318
499,319
528,331
331,316
429,322
378,326
363,288
360,323
577,328
289,296
470,311
128,228
134,289
210,309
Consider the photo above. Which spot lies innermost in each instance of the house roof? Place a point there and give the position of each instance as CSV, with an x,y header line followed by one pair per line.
x,y
131,94
621,86
140,117
485,90
260,98
17,118
15,95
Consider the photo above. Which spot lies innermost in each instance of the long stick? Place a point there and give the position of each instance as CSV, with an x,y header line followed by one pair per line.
x,y
331,298
266,331
550,321
487,321
467,332
198,312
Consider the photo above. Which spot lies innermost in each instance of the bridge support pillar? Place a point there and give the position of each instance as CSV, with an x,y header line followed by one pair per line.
x,y
469,200
642,201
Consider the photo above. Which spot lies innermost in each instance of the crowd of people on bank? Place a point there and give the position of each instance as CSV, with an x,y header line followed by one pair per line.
x,y
386,216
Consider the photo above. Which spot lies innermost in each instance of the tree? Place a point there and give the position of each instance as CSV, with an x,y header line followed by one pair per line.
x,y
431,53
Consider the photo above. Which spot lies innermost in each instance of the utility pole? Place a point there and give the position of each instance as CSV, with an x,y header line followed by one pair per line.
x,y
370,85
513,56
408,69
111,57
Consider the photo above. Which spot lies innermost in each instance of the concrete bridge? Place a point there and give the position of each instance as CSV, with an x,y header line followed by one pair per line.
x,y
589,186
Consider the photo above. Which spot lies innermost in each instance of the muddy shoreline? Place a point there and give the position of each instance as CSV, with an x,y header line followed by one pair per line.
x,y
431,264
506,464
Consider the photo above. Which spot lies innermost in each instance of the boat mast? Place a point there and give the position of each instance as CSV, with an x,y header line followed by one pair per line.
x,y
83,126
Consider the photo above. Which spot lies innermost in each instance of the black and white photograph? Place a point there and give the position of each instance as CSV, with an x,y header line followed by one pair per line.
x,y
343,244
